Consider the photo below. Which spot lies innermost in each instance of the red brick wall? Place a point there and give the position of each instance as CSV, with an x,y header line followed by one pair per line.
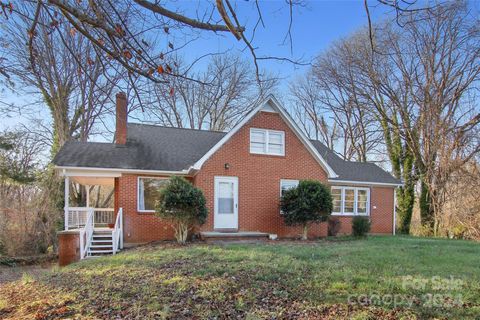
x,y
381,212
382,216
258,189
68,247
259,177
138,226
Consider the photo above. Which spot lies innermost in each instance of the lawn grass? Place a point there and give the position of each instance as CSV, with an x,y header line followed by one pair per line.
x,y
328,279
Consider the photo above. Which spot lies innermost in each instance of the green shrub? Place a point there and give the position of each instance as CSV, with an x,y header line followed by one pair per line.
x,y
310,202
182,204
360,226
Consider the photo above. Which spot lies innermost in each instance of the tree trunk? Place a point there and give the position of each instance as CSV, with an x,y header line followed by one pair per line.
x,y
305,232
426,212
181,232
406,196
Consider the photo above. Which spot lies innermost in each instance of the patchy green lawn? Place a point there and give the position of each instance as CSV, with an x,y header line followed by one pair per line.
x,y
378,277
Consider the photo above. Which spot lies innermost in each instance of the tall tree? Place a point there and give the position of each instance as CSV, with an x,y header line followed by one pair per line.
x,y
226,91
65,71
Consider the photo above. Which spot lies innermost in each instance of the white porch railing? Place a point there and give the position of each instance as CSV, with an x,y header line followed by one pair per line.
x,y
117,233
76,217
104,216
86,234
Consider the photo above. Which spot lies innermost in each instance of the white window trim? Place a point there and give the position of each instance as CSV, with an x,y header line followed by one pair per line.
x,y
267,141
138,192
355,204
286,180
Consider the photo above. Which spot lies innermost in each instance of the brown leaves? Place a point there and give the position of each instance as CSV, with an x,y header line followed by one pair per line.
x,y
127,54
54,23
160,69
119,30
73,32
6,7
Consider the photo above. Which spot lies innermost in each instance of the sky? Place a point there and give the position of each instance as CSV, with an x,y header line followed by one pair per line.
x,y
315,26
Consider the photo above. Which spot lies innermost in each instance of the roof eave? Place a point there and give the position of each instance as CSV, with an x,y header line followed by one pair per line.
x,y
93,170
367,183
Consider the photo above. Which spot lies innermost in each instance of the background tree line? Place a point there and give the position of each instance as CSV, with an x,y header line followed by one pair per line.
x,y
412,94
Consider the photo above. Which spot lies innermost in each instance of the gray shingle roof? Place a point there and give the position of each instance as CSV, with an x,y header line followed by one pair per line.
x,y
173,149
148,148
352,170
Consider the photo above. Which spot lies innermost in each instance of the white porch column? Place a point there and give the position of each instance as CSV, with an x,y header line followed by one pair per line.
x,y
87,190
67,196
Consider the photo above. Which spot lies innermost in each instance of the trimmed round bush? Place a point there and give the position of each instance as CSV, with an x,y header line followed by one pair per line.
x,y
310,202
360,226
183,205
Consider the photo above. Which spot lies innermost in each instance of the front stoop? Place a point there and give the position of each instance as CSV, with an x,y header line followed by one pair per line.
x,y
242,236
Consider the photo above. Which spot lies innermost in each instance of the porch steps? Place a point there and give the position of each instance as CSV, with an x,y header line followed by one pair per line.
x,y
102,243
242,236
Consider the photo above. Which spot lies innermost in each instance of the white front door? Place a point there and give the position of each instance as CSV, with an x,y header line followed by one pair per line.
x,y
226,203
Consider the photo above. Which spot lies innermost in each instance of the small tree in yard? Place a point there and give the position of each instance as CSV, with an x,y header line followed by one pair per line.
x,y
182,204
310,202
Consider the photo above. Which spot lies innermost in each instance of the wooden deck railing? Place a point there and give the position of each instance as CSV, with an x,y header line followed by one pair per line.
x,y
76,217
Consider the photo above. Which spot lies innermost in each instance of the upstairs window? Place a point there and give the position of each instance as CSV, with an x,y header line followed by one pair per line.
x,y
351,201
263,141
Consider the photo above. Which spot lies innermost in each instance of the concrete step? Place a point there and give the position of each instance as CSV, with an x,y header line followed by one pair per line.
x,y
242,236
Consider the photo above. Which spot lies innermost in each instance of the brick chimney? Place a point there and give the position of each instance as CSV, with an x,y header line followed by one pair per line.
x,y
121,119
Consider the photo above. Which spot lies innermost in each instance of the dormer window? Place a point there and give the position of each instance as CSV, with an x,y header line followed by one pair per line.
x,y
263,141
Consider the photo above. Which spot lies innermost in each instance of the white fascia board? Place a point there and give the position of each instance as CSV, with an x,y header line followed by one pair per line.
x,y
331,173
365,183
277,107
111,172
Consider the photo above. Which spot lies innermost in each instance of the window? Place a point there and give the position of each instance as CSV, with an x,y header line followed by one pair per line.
x,y
148,192
264,141
351,201
225,197
286,185
337,200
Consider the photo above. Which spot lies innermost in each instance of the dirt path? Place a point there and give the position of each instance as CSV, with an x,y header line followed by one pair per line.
x,y
8,274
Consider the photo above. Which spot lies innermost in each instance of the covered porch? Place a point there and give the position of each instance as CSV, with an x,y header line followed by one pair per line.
x,y
91,212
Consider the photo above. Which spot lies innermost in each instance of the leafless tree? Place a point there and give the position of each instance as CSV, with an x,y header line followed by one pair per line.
x,y
227,91
64,71
330,89
311,113
438,58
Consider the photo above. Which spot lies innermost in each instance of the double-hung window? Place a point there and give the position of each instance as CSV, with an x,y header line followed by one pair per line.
x,y
287,185
148,193
351,201
263,141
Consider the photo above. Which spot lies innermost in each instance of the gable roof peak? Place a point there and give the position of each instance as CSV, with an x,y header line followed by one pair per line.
x,y
270,103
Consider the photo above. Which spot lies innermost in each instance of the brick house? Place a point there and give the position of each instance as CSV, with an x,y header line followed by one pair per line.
x,y
241,172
